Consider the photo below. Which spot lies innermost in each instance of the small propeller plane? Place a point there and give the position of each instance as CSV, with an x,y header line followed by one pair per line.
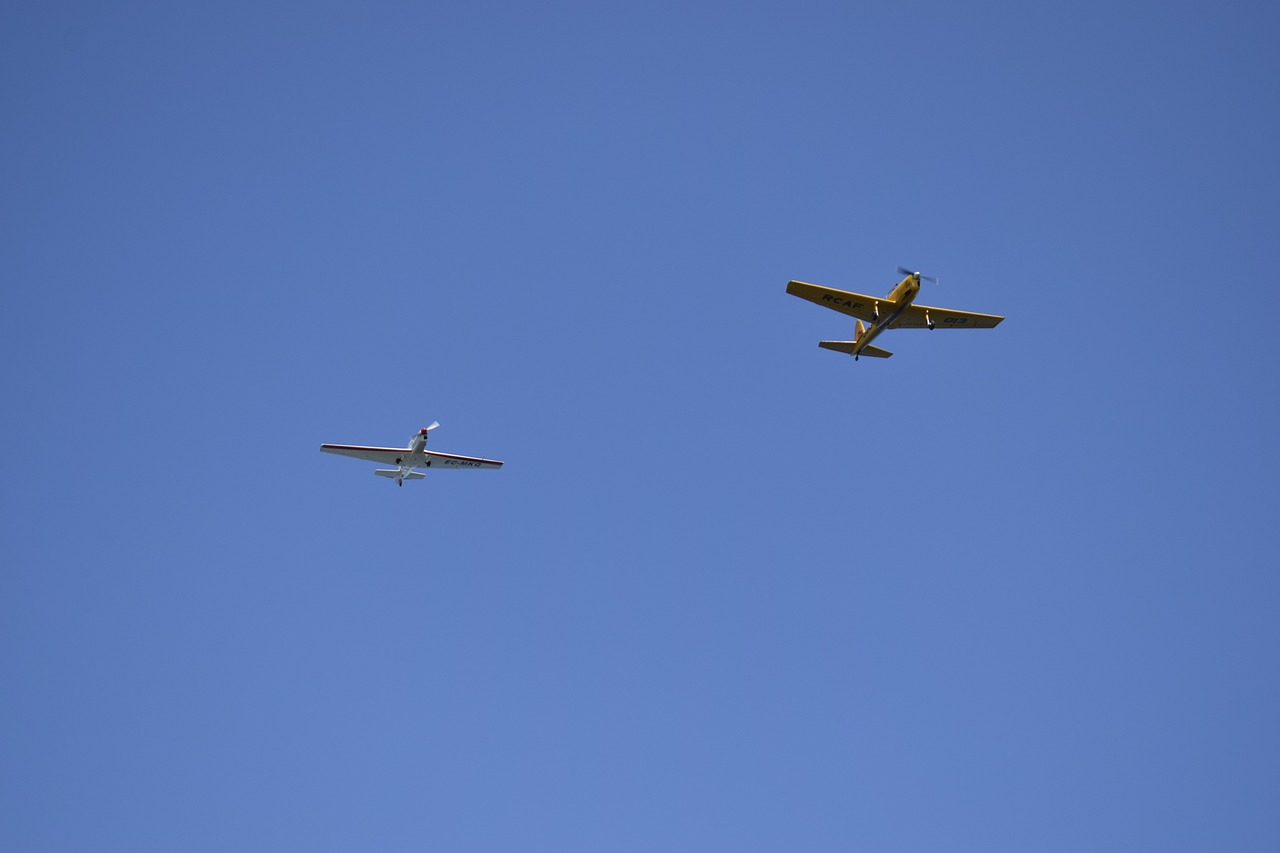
x,y
409,459
898,310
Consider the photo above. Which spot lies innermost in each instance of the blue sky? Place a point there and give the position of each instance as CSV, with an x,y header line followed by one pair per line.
x,y
1007,590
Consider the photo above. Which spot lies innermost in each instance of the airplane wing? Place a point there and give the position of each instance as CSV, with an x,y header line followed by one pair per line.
x,y
385,455
854,304
944,318
450,460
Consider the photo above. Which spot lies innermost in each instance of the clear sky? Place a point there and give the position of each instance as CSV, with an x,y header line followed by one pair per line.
x,y
1008,590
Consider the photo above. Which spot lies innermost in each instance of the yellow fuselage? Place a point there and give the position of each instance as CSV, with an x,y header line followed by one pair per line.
x,y
895,303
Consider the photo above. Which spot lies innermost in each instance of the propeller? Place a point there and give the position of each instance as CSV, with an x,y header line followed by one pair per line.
x,y
929,278
434,424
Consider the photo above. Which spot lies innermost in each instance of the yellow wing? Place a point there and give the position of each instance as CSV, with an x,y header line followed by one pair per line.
x,y
854,304
918,317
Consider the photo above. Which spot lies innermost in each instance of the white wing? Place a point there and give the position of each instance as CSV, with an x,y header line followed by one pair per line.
x,y
450,460
385,455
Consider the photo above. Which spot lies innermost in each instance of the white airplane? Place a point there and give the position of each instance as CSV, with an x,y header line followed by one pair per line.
x,y
409,459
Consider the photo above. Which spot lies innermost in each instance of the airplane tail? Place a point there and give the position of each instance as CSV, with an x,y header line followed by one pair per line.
x,y
847,347
395,472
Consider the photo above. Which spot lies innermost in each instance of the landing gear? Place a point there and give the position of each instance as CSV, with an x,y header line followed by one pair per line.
x,y
399,482
932,325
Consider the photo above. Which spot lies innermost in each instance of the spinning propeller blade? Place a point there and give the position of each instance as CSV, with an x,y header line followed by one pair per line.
x,y
929,278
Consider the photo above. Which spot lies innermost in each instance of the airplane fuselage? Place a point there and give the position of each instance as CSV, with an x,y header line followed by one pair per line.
x,y
418,443
415,456
897,301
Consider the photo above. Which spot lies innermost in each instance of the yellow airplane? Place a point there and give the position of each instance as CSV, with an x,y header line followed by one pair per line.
x,y
898,310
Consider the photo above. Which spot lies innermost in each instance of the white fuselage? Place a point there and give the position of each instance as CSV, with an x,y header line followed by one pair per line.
x,y
415,456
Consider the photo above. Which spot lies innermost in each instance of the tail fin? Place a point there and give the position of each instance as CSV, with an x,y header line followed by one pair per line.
x,y
861,329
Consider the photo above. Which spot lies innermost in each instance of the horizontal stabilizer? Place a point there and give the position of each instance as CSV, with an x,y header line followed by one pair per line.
x,y
846,347
395,472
